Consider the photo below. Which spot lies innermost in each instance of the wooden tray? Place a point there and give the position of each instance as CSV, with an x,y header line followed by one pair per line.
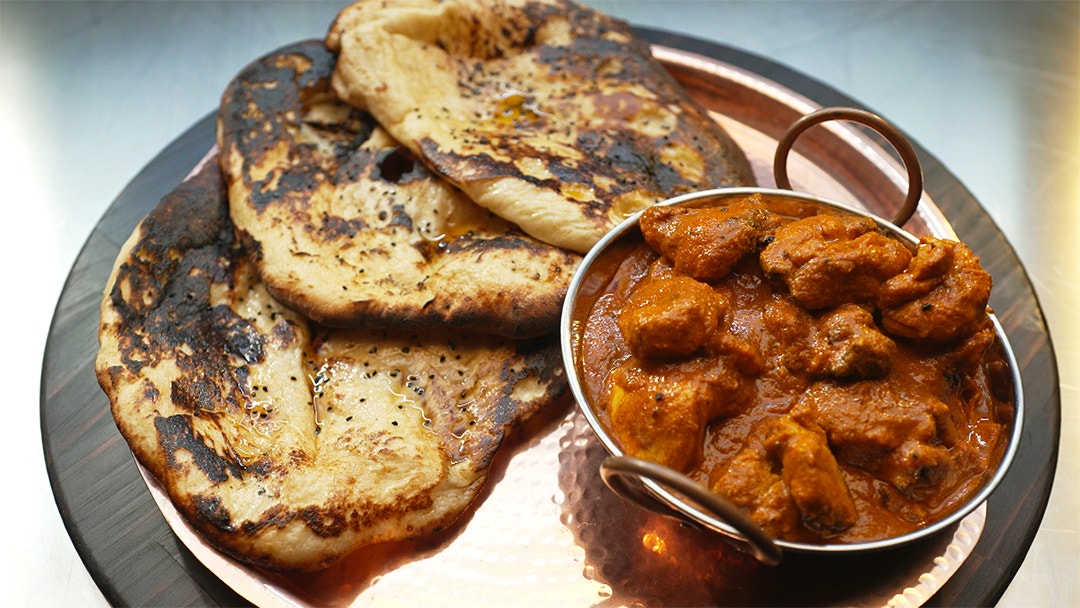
x,y
136,558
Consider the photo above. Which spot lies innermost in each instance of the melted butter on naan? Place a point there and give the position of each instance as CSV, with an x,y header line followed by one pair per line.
x,y
551,114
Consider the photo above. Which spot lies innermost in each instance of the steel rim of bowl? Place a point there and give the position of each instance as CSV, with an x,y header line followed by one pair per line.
x,y
695,514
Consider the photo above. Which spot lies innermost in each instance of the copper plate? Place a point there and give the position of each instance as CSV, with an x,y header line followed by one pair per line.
x,y
547,532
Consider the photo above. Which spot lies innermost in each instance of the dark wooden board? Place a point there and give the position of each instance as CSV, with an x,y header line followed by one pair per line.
x,y
135,558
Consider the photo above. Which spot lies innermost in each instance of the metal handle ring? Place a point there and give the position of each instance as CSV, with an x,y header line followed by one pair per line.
x,y
884,128
616,470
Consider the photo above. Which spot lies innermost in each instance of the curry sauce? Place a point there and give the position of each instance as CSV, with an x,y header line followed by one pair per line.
x,y
836,382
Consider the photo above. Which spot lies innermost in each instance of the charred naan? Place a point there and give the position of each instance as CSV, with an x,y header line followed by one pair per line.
x,y
549,113
351,230
285,443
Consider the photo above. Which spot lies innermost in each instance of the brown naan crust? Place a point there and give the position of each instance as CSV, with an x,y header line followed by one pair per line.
x,y
212,383
351,230
549,113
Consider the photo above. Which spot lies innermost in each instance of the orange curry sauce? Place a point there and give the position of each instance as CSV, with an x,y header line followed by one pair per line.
x,y
805,411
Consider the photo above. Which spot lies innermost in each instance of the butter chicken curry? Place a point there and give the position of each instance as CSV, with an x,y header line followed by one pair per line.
x,y
837,383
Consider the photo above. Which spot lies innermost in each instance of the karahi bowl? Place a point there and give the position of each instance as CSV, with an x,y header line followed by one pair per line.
x,y
674,494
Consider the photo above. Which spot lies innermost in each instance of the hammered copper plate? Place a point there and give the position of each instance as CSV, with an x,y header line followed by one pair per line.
x,y
547,531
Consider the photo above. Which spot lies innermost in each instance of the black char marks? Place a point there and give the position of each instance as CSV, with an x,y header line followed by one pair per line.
x,y
188,240
211,510
601,59
398,166
307,66
175,434
186,245
182,240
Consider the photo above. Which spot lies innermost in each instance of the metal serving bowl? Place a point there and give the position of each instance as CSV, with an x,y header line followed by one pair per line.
x,y
671,493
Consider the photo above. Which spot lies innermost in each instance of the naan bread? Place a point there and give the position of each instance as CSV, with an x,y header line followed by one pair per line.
x,y
285,443
351,230
551,114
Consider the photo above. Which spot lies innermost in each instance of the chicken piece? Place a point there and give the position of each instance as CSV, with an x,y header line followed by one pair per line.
x,y
964,356
658,419
785,477
660,413
827,260
788,332
705,243
849,345
812,476
843,343
670,318
735,353
903,439
750,481
941,296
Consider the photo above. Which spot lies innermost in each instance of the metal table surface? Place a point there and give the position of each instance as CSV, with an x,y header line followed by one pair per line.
x,y
90,91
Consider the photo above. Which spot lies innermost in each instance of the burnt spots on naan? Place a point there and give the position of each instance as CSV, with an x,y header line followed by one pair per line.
x,y
212,511
398,166
351,229
547,112
175,434
280,99
288,444
191,223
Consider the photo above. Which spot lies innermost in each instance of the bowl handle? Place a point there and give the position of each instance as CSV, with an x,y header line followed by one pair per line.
x,y
884,128
616,472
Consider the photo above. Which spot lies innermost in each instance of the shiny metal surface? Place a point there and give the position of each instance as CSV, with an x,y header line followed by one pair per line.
x,y
90,91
